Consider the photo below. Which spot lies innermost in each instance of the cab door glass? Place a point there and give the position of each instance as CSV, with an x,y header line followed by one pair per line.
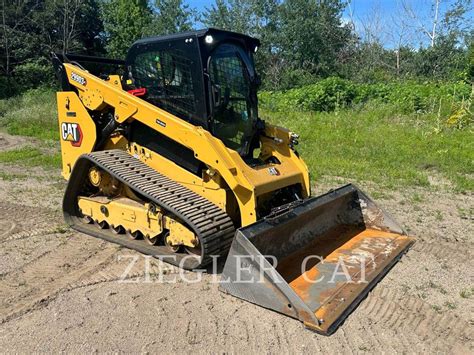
x,y
232,114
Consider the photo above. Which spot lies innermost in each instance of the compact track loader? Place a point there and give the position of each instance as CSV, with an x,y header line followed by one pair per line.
x,y
165,154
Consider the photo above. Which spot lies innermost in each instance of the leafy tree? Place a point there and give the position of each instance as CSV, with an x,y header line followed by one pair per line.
x,y
125,21
91,29
435,19
302,40
469,71
457,19
31,29
69,25
220,15
258,18
312,34
244,16
171,16
445,60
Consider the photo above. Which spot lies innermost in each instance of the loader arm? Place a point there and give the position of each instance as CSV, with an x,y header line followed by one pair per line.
x,y
245,182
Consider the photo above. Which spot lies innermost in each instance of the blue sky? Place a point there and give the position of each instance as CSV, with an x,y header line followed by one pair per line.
x,y
362,7
381,13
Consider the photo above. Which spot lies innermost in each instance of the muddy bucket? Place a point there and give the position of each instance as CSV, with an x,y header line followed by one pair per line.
x,y
315,260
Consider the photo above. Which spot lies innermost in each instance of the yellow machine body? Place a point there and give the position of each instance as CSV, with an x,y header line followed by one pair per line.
x,y
226,169
118,183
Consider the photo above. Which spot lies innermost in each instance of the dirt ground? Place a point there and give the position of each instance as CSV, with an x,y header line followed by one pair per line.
x,y
62,291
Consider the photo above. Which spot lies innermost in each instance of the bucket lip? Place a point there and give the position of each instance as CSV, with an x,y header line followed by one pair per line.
x,y
305,206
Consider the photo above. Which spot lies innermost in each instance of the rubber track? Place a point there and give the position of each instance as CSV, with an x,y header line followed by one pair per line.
x,y
212,225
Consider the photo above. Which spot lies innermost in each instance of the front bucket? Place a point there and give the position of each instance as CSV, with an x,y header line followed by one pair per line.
x,y
315,261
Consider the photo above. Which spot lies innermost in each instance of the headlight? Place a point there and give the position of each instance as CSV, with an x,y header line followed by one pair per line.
x,y
208,39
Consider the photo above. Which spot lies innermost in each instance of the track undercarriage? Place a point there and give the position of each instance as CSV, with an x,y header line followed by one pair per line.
x,y
113,196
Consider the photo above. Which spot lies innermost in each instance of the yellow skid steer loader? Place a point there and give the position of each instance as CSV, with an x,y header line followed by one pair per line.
x,y
165,154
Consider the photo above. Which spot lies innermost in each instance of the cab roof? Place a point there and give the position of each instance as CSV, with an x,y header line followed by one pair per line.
x,y
220,35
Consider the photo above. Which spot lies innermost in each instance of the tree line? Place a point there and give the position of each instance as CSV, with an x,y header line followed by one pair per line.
x,y
302,40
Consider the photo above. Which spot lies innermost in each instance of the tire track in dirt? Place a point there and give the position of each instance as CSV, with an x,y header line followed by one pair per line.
x,y
8,142
16,210
100,277
27,214
6,227
29,262
388,320
40,230
22,221
393,322
40,280
392,309
455,252
117,270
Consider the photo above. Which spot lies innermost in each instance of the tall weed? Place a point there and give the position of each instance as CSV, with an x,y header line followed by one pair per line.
x,y
335,93
31,114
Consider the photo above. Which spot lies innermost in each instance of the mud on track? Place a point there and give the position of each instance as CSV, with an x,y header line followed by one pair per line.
x,y
63,291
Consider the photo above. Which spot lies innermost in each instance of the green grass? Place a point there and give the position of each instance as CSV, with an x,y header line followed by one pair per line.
x,y
450,305
30,157
380,145
467,293
416,198
11,177
373,143
32,114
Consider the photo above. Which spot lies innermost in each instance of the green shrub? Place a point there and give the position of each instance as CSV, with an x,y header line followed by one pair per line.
x,y
333,93
326,95
34,74
8,87
296,78
26,76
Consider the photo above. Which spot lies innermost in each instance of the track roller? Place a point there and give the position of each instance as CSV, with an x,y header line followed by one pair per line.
x,y
117,229
102,225
166,239
134,235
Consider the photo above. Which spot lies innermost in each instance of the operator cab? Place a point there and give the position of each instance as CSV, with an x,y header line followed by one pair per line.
x,y
205,77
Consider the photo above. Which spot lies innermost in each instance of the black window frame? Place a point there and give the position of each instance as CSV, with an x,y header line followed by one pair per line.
x,y
189,49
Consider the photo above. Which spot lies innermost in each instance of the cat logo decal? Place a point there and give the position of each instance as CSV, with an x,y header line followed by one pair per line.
x,y
71,132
